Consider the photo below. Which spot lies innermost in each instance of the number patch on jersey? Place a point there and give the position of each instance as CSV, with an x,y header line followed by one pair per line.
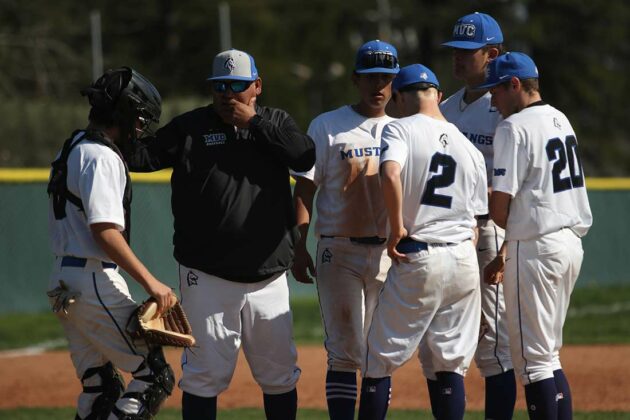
x,y
563,153
441,180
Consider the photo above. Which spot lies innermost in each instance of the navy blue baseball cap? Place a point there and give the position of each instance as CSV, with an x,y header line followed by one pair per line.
x,y
377,57
233,65
415,76
475,31
508,65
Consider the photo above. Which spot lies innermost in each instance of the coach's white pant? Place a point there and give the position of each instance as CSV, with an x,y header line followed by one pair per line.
x,y
349,278
539,277
223,314
493,350
431,303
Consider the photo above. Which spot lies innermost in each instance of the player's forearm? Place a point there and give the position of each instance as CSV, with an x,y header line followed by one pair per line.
x,y
303,200
113,243
392,194
500,208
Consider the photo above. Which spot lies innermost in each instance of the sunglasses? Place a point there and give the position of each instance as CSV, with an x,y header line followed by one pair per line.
x,y
236,86
383,59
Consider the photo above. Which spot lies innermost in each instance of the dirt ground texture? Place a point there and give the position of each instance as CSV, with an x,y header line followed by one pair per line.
x,y
599,378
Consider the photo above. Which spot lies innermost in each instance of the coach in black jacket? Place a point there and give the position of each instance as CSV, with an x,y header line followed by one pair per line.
x,y
235,230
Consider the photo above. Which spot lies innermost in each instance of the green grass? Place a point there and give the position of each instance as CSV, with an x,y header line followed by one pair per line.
x,y
303,414
21,330
596,316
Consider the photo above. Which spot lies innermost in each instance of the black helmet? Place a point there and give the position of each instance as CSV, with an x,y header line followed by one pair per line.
x,y
122,95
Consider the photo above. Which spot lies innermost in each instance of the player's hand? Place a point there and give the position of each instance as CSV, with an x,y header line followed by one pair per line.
x,y
493,273
237,113
162,294
62,297
392,241
301,262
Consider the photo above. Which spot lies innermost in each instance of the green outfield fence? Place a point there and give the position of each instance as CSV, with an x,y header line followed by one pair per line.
x,y
25,258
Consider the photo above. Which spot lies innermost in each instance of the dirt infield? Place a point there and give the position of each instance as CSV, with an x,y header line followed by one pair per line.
x,y
599,377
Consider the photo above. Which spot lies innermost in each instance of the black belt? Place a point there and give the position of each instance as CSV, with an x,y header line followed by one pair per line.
x,y
368,240
483,217
409,245
69,261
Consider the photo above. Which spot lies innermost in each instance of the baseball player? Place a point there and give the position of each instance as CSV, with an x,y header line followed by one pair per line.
x,y
539,197
477,40
351,258
434,184
89,224
234,234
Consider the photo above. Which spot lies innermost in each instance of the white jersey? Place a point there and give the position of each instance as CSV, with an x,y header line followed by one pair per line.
x,y
538,164
96,175
476,120
443,178
349,202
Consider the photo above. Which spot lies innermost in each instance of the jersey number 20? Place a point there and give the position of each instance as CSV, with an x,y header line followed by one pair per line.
x,y
442,180
564,153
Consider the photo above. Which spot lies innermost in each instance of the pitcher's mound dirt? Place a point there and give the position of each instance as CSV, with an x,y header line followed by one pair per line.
x,y
599,378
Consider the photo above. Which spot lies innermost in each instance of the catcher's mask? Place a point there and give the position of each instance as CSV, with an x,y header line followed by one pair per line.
x,y
123,96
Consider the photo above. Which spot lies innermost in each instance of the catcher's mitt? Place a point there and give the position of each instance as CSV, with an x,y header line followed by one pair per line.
x,y
171,328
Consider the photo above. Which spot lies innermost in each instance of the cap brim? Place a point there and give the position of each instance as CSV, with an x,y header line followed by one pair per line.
x,y
246,79
427,85
464,45
377,70
488,85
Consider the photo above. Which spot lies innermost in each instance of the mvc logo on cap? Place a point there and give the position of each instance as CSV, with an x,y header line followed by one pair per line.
x,y
424,76
464,29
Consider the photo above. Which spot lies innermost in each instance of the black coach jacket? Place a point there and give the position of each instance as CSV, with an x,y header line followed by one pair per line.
x,y
231,197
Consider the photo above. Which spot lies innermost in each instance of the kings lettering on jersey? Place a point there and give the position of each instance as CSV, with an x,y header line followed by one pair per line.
x,y
479,138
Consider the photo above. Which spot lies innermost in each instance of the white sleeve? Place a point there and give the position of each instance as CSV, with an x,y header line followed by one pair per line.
x,y
317,132
480,199
510,160
393,147
102,187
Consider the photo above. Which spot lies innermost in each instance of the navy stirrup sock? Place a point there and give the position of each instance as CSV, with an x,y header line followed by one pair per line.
x,y
375,396
281,406
541,400
433,395
197,408
500,396
341,394
451,397
565,408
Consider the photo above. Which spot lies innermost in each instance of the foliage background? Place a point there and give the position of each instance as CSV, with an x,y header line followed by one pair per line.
x,y
304,52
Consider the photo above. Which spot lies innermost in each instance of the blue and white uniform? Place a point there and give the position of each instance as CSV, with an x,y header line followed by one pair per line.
x,y
432,302
538,164
477,121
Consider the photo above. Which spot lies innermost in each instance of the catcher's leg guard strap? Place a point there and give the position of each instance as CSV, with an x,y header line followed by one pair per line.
x,y
111,387
160,380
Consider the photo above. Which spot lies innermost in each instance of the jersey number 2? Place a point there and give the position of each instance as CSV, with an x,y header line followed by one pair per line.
x,y
442,180
564,153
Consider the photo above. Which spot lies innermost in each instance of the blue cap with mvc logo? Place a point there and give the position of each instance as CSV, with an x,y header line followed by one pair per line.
x,y
475,31
233,65
508,65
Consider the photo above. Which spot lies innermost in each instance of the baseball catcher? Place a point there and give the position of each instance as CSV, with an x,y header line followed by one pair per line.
x,y
90,205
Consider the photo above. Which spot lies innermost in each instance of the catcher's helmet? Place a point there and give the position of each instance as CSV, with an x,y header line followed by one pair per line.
x,y
122,95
